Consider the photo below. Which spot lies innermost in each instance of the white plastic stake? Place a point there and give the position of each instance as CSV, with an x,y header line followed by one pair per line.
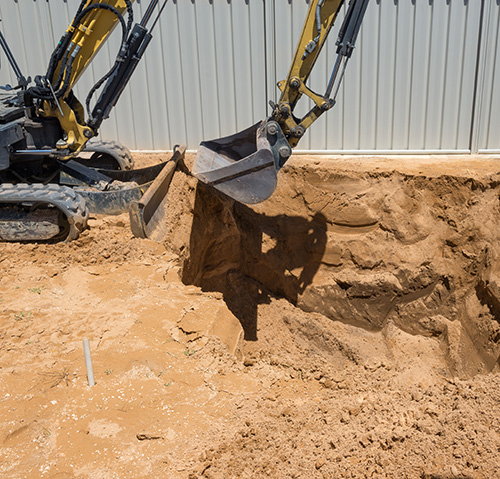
x,y
88,362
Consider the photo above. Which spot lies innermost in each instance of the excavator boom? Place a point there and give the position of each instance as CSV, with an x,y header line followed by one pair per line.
x,y
93,23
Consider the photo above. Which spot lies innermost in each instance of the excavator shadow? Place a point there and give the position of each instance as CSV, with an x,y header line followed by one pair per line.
x,y
250,256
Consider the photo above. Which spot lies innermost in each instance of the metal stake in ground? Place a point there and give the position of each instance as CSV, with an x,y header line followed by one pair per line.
x,y
88,362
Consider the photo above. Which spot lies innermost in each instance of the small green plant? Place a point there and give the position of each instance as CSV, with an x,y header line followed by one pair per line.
x,y
23,315
109,371
189,352
46,432
167,384
36,290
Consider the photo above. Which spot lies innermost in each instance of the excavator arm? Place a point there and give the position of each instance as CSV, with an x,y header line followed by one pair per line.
x,y
319,21
244,166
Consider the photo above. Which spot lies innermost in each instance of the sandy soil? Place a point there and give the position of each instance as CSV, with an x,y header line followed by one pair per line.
x,y
348,327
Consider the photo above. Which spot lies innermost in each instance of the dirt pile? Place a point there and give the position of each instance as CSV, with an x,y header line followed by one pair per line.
x,y
367,294
377,249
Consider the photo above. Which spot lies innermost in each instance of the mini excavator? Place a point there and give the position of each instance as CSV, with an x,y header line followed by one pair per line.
x,y
244,166
47,187
47,190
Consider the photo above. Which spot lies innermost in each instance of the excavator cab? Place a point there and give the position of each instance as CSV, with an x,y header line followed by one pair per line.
x,y
244,166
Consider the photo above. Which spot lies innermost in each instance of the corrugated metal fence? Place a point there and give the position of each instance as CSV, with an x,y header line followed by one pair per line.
x,y
424,76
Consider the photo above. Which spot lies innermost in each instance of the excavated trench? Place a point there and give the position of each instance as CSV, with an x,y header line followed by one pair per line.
x,y
376,245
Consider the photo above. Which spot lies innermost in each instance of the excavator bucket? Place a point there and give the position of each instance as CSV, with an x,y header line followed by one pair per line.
x,y
244,166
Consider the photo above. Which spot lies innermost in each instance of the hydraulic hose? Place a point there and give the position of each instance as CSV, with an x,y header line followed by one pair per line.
x,y
44,93
311,46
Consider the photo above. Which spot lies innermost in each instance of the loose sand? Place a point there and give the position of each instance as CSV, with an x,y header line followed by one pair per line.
x,y
347,327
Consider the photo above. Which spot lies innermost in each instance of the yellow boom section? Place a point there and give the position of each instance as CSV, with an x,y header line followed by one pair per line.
x,y
89,36
322,13
301,67
86,39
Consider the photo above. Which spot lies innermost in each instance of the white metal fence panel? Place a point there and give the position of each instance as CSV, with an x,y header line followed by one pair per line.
x,y
487,131
213,66
410,84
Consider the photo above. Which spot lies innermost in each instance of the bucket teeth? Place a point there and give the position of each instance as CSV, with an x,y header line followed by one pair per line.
x,y
244,166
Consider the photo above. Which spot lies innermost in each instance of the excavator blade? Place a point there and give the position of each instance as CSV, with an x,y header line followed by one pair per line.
x,y
244,166
147,216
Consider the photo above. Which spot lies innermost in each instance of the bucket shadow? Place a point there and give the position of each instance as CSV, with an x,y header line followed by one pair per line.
x,y
251,257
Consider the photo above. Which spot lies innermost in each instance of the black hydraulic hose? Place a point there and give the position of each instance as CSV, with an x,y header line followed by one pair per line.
x,y
123,69
97,86
64,62
311,46
42,92
63,44
67,77
80,7
104,6
318,19
120,56
125,32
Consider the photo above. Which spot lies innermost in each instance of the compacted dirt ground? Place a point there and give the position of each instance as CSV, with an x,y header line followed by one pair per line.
x,y
348,327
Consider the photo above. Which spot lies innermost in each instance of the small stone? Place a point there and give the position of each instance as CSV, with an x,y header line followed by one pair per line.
x,y
380,460
328,383
398,435
354,410
364,441
373,365
344,417
416,395
468,254
320,463
337,377
287,411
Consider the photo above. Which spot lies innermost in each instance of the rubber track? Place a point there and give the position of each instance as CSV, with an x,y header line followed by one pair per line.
x,y
118,151
63,198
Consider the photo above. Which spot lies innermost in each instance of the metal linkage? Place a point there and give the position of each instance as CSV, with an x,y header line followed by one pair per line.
x,y
22,82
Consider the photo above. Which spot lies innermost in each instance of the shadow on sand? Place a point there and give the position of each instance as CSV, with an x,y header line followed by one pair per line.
x,y
250,256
